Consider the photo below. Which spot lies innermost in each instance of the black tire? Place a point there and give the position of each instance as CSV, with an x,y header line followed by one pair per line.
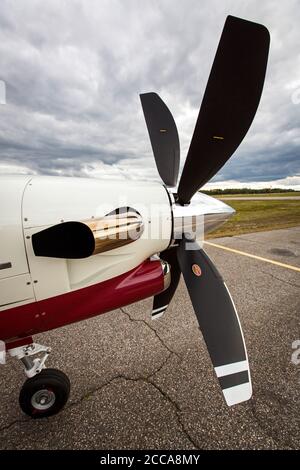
x,y
45,394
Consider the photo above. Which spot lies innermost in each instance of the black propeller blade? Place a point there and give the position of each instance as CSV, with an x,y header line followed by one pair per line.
x,y
164,137
162,300
218,321
229,104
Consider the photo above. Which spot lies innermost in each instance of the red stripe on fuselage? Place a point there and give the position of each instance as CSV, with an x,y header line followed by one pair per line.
x,y
143,281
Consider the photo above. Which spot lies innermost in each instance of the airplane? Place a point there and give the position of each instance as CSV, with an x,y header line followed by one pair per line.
x,y
73,248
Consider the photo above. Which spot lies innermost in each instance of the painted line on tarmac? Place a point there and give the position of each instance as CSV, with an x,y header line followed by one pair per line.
x,y
249,255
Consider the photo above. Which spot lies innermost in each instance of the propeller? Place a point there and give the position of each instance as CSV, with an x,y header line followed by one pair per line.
x,y
229,103
218,321
228,108
163,136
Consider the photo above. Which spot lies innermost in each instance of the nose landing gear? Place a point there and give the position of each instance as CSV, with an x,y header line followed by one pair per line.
x,y
45,391
45,394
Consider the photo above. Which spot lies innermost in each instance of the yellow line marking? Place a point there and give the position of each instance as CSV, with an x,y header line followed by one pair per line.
x,y
277,263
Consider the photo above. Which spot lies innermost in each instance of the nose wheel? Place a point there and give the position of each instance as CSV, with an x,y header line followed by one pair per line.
x,y
45,394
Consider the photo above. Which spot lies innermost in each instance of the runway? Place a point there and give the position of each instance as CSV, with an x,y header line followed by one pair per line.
x,y
259,198
138,383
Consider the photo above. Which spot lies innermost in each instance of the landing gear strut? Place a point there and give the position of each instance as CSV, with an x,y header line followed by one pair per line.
x,y
46,391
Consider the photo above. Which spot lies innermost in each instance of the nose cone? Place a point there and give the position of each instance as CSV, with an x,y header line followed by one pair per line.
x,y
212,204
202,215
216,212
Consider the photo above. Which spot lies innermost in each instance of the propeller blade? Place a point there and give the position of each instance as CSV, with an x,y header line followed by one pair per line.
x,y
218,321
229,104
161,301
163,136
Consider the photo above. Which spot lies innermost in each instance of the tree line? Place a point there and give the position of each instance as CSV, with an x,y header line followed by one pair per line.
x,y
246,191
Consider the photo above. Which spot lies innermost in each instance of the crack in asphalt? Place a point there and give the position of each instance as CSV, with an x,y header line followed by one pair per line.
x,y
269,432
16,421
280,279
136,320
149,380
146,380
178,412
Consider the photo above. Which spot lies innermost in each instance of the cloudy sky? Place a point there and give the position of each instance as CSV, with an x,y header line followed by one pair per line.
x,y
74,70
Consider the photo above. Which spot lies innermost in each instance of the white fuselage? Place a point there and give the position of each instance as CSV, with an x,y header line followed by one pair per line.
x,y
29,204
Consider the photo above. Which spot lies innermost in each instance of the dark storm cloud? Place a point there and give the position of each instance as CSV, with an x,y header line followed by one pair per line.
x,y
74,70
266,165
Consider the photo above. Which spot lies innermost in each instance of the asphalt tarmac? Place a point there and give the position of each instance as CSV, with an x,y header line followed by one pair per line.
x,y
138,383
